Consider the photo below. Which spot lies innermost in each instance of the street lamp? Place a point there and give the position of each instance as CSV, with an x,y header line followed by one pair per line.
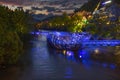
x,y
107,2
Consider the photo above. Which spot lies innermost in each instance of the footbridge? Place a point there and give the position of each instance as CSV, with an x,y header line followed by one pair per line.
x,y
101,43
73,41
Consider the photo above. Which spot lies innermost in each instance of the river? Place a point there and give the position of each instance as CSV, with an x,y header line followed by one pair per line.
x,y
42,63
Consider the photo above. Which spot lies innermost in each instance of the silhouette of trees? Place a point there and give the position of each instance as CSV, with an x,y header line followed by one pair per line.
x,y
73,23
13,25
103,27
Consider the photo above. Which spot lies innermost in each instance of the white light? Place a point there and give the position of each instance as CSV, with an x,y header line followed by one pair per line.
x,y
69,53
96,51
80,56
57,33
107,2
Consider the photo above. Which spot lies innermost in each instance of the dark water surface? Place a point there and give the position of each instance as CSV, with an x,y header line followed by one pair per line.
x,y
41,63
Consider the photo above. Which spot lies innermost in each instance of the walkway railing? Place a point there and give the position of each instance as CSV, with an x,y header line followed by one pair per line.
x,y
77,41
101,43
73,41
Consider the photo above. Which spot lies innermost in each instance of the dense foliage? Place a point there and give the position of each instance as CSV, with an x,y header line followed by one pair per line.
x,y
72,23
104,24
103,28
13,24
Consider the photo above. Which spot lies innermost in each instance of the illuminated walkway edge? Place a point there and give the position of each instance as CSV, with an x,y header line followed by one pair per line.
x,y
67,42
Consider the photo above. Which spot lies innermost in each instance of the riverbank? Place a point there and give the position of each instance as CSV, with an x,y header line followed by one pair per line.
x,y
40,64
14,26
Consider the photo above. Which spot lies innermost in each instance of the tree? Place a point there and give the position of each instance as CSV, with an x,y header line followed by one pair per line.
x,y
103,27
13,24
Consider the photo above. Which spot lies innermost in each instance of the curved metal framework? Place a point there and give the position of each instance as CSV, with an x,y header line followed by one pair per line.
x,y
75,41
68,41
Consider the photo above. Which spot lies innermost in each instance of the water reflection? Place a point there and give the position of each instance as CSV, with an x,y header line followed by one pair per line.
x,y
68,72
84,56
42,62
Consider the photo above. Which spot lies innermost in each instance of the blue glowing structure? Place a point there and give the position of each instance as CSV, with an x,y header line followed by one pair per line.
x,y
76,41
67,41
83,54
102,43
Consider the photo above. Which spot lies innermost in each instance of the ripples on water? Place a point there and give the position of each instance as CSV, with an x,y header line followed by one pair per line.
x,y
42,63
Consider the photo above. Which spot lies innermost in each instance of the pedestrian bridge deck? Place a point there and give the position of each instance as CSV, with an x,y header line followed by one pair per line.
x,y
101,43
65,40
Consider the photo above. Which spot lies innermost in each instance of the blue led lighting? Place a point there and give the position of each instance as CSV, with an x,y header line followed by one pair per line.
x,y
66,40
112,66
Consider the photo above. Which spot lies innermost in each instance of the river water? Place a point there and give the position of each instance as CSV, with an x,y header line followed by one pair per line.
x,y
43,63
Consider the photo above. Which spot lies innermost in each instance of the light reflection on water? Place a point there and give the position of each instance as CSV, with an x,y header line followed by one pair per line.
x,y
83,56
43,63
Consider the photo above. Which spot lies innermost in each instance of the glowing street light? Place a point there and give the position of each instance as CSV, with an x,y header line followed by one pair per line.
x,y
107,2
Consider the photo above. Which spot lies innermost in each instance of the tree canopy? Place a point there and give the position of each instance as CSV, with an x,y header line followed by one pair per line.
x,y
13,24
